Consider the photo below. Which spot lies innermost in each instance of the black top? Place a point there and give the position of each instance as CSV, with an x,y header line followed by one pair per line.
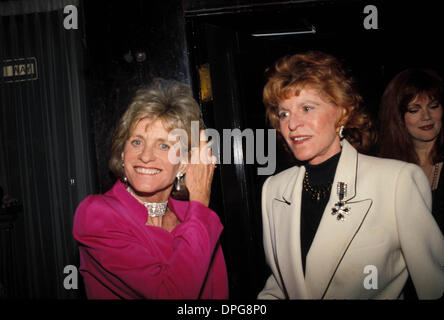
x,y
438,204
312,209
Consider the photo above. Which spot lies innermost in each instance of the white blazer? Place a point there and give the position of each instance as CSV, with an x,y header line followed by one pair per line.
x,y
388,234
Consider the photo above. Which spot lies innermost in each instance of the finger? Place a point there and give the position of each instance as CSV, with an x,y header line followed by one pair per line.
x,y
210,150
214,160
195,152
206,153
202,135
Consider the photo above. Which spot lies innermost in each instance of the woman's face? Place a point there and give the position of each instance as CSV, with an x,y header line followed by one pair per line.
x,y
308,125
423,119
146,164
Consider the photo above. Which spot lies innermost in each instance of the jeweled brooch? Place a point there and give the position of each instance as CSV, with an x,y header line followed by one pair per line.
x,y
340,209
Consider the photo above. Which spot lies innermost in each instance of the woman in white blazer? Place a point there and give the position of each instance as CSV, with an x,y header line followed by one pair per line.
x,y
342,225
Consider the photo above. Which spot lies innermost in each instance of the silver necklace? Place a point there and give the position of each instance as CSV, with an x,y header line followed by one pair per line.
x,y
155,209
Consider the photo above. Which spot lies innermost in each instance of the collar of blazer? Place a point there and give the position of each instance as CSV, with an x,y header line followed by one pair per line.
x,y
333,237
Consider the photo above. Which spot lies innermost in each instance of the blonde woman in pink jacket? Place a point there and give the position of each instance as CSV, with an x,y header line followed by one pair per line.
x,y
136,241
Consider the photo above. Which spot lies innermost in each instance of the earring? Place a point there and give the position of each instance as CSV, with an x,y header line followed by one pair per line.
x,y
125,179
341,132
180,190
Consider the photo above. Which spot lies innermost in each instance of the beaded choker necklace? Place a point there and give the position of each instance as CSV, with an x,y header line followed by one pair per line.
x,y
155,209
318,178
317,192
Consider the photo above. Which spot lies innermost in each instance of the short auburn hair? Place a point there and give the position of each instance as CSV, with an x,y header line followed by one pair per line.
x,y
322,71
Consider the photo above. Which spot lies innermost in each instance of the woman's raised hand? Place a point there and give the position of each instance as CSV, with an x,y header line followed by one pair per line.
x,y
199,173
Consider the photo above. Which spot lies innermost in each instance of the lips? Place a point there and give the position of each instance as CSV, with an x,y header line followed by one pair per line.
x,y
427,127
299,139
149,171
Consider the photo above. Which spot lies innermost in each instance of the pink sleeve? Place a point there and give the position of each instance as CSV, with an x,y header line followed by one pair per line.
x,y
137,267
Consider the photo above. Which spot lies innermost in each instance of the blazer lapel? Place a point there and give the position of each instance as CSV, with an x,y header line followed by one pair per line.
x,y
287,242
333,236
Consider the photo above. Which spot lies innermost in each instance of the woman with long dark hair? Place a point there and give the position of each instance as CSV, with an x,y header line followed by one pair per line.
x,y
411,127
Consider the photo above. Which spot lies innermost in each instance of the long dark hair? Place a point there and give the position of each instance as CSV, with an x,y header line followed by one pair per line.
x,y
394,139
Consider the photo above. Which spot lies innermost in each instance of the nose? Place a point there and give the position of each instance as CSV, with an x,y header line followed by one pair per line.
x,y
294,122
425,114
147,154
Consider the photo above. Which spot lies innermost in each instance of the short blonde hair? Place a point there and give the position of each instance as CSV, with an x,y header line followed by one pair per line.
x,y
168,100
290,74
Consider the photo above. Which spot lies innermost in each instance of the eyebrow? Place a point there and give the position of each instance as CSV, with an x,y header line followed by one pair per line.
x,y
310,102
418,105
304,102
136,136
163,140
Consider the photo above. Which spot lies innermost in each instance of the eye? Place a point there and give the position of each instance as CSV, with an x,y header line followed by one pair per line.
x,y
283,114
412,111
307,108
164,146
435,106
136,142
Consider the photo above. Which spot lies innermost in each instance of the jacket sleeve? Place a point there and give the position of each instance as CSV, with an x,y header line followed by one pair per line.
x,y
139,269
421,240
273,286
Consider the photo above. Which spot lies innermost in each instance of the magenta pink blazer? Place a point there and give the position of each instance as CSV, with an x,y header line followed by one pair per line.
x,y
121,257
